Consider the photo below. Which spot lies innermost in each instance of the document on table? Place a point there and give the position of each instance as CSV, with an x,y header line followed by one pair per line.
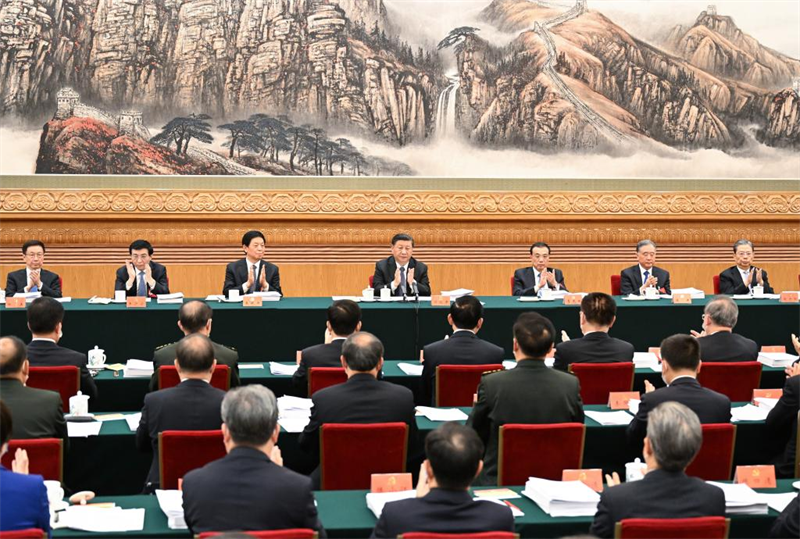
x,y
83,430
411,369
457,293
171,503
766,403
618,417
176,297
102,520
137,368
287,403
133,420
279,369
251,366
562,498
293,423
109,417
509,364
515,511
376,500
644,359
442,414
633,406
776,359
749,413
741,499
778,502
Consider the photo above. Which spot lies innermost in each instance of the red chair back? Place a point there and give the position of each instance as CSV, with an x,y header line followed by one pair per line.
x,y
512,293
341,470
29,533
293,533
773,349
736,379
168,377
673,528
371,280
616,285
479,535
66,381
714,461
599,379
181,451
322,377
46,456
456,384
559,447
716,285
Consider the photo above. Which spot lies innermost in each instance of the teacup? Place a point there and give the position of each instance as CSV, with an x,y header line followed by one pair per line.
x,y
97,358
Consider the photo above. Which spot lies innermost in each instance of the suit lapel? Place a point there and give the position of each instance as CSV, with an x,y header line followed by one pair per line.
x,y
637,277
392,269
737,276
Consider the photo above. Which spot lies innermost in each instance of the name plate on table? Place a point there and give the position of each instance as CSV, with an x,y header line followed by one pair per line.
x,y
136,302
440,301
618,400
573,299
252,301
390,482
592,478
681,298
655,350
15,303
766,394
756,476
789,297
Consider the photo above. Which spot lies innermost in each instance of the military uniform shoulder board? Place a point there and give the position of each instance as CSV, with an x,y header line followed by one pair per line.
x,y
492,372
165,345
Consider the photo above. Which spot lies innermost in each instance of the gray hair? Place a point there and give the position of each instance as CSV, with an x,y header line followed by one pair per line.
x,y
362,351
675,435
642,243
723,311
251,414
742,242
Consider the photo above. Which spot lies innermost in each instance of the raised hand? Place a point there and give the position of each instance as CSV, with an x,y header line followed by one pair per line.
x,y
410,277
20,463
648,387
396,281
262,281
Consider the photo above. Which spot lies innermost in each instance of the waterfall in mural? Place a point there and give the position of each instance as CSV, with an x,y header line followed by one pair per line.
x,y
446,108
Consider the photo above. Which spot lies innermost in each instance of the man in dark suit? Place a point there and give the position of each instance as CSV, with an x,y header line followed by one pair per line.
x,y
194,317
361,399
443,503
463,348
787,525
782,420
529,281
717,340
741,278
34,278
531,393
252,273
597,316
645,274
680,363
344,319
140,276
191,405
38,413
673,439
401,272
45,320
249,489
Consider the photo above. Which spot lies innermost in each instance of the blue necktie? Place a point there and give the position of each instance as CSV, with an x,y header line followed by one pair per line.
x,y
401,290
34,288
646,276
142,290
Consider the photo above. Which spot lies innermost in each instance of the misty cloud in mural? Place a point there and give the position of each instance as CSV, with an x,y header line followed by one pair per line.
x,y
335,88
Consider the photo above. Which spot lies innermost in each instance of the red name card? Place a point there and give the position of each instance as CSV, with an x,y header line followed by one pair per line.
x,y
756,476
681,298
766,394
252,301
573,299
136,302
390,482
15,303
655,350
440,301
592,478
789,297
773,349
618,400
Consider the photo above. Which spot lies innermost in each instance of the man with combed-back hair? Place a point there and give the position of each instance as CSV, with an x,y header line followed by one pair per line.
x,y
717,340
403,274
645,274
252,273
741,278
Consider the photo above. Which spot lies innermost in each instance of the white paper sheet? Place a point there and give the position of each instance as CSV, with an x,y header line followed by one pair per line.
x,y
442,414
279,369
766,403
617,417
83,430
458,292
171,503
102,520
643,359
293,423
779,502
749,413
251,366
515,511
741,499
411,369
776,359
137,368
287,403
633,406
509,364
376,500
562,498
133,420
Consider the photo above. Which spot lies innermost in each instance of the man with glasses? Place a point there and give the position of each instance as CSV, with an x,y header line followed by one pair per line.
x,y
34,278
741,278
645,274
140,276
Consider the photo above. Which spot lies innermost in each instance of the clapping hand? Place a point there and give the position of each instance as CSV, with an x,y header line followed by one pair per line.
x,y
36,279
749,279
250,278
20,462
551,279
792,370
796,343
648,387
262,281
759,277
410,278
613,479
564,336
696,334
275,456
423,487
131,270
396,281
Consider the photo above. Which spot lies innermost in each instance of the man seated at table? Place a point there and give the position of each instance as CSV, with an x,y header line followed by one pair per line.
x,y
463,348
38,413
252,273
249,489
538,276
23,497
46,320
361,399
680,363
401,272
598,313
673,439
33,278
531,393
194,317
140,276
191,405
782,420
645,274
444,503
717,340
741,278
344,319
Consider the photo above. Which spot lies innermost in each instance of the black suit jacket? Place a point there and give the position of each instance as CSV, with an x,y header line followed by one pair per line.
x,y
384,275
191,405
236,274
787,525
710,406
661,494
727,346
631,280
245,491
18,280
443,511
531,393
730,282
463,348
596,347
49,354
525,283
783,419
159,274
319,355
37,413
165,356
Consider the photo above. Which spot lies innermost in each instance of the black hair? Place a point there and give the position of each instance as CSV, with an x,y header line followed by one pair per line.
x,y
44,314
534,334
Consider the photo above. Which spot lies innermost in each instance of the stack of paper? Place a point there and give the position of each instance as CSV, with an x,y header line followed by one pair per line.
x,y
29,296
749,413
269,295
65,299
779,502
83,430
740,499
528,298
171,503
177,297
376,500
618,417
293,413
279,369
101,520
136,368
442,414
562,498
645,359
766,403
224,299
357,299
776,359
133,420
696,294
96,300
411,369
453,294
509,364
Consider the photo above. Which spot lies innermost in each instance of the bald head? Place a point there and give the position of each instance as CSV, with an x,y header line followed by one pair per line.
x,y
362,351
13,354
195,354
194,316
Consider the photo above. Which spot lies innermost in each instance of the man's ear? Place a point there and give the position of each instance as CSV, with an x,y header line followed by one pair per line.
x,y
275,433
699,364
358,326
208,325
180,326
480,469
648,449
344,363
26,367
480,324
226,434
612,322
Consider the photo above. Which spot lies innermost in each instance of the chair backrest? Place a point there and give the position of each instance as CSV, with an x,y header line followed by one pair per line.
x,y
293,533
599,379
168,377
774,349
736,379
29,533
616,285
66,381
371,280
343,469
477,535
181,451
715,280
46,456
322,377
714,461
512,285
559,447
673,528
456,384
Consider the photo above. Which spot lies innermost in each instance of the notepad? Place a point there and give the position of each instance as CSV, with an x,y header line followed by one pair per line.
x,y
287,403
411,369
109,417
279,369
377,500
618,417
458,292
644,359
749,413
442,414
496,494
83,430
